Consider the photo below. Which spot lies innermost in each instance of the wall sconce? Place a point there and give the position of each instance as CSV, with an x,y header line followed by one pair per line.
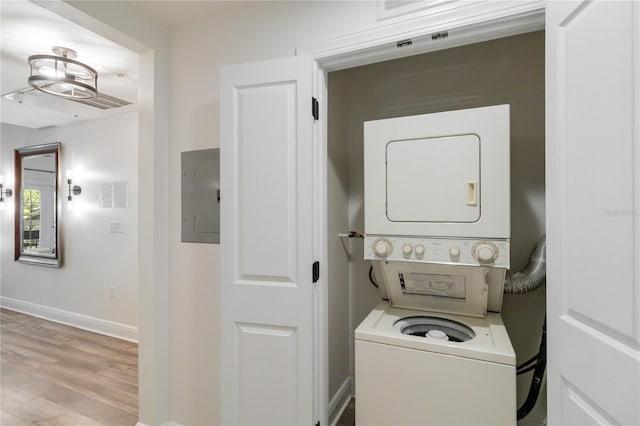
x,y
73,190
4,192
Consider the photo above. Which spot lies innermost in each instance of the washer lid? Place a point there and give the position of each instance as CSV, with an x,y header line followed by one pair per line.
x,y
453,289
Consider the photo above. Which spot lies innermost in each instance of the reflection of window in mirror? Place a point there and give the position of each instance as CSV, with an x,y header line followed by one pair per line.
x,y
39,183
37,177
31,220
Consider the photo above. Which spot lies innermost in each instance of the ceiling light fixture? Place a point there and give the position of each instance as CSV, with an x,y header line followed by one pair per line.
x,y
61,75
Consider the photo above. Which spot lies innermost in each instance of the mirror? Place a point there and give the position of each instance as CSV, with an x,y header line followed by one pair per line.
x,y
37,181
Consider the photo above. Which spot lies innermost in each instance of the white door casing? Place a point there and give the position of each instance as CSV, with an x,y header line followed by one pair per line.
x,y
593,212
267,243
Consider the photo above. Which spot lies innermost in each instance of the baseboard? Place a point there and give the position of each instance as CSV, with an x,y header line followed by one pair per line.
x,y
163,424
96,325
340,400
169,423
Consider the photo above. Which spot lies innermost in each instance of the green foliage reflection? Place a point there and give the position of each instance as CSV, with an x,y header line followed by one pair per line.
x,y
31,218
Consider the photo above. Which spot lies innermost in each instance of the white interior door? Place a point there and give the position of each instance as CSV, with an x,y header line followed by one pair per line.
x,y
593,219
267,202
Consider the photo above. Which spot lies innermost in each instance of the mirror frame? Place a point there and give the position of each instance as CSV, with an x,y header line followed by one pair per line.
x,y
19,256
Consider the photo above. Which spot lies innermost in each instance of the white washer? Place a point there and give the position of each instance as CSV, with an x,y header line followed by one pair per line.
x,y
412,380
406,375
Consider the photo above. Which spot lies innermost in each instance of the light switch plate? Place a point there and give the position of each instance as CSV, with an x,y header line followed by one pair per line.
x,y
117,227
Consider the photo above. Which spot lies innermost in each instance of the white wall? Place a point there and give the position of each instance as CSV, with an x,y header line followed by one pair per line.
x,y
247,32
509,70
94,260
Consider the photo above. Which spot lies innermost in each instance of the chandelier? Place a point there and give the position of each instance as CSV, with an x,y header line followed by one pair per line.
x,y
61,75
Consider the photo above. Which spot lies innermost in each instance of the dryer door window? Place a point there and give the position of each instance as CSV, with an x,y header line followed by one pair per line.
x,y
434,179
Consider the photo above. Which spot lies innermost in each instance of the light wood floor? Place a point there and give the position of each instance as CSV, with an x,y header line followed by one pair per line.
x,y
55,375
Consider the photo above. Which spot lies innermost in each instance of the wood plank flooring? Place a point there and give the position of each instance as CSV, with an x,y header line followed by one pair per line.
x,y
52,374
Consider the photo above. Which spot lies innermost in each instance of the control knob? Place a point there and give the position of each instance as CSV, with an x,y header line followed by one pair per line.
x,y
406,250
485,252
419,251
454,252
382,248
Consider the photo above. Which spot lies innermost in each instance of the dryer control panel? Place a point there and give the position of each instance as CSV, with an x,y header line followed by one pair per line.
x,y
452,251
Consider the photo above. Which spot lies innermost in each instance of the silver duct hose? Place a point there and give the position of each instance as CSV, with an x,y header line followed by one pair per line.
x,y
533,275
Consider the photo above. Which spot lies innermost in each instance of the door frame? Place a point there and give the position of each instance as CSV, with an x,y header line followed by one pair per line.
x,y
463,26
458,27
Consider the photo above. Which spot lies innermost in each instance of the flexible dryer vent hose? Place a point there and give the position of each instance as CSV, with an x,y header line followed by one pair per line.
x,y
533,275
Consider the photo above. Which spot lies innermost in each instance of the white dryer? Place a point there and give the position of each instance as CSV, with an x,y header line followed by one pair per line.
x,y
444,174
437,229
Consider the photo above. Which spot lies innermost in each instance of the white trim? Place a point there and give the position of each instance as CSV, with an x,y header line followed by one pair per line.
x,y
482,22
340,400
84,322
321,293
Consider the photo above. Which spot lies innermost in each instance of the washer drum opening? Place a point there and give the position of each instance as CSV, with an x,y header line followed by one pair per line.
x,y
422,325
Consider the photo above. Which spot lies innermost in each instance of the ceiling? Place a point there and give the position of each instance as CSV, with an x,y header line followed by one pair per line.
x,y
28,29
174,14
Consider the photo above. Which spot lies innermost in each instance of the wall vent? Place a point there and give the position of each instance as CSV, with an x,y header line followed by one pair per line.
x,y
29,95
103,101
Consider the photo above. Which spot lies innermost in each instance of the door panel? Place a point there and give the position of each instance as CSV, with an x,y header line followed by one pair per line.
x,y
593,224
266,287
268,357
267,173
580,410
598,140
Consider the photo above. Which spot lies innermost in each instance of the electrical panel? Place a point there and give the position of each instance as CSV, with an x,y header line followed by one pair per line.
x,y
201,196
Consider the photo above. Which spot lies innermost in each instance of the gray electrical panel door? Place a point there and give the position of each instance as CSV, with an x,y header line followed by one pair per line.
x,y
201,196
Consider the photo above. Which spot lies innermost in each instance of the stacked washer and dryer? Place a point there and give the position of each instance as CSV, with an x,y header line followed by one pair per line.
x,y
437,228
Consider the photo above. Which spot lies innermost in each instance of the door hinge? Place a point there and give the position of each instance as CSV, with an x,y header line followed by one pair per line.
x,y
316,271
315,109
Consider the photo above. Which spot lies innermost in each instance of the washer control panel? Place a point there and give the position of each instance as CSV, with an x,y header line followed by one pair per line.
x,y
464,251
